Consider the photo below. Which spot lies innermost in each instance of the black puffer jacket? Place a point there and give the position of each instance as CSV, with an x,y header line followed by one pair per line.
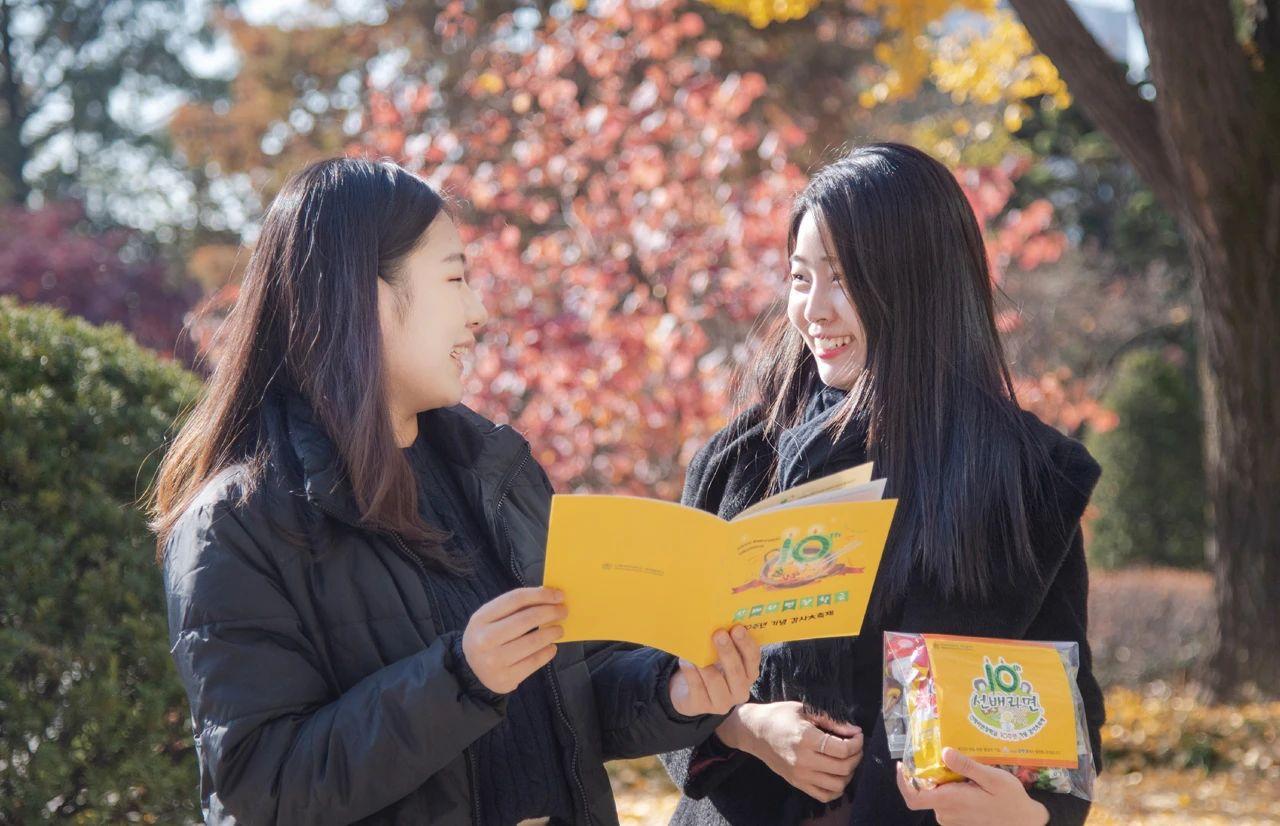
x,y
723,786
320,691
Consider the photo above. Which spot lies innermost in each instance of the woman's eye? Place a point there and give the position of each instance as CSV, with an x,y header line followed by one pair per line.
x,y
798,277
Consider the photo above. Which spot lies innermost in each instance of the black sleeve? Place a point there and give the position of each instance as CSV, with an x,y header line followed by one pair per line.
x,y
276,743
1059,612
1064,809
1064,616
636,715
699,770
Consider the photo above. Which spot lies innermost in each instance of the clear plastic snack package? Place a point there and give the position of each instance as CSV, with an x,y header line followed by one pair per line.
x,y
1013,704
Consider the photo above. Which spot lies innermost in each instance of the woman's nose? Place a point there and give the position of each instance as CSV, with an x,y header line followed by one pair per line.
x,y
818,308
477,315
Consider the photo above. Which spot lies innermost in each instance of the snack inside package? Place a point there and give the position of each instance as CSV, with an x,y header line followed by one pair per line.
x,y
1013,704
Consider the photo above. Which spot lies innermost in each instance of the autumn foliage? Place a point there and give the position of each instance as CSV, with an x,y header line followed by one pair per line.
x,y
55,256
625,202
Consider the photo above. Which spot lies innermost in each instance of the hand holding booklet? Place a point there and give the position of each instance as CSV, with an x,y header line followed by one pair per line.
x,y
798,565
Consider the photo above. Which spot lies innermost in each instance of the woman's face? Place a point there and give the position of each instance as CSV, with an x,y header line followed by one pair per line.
x,y
428,319
818,306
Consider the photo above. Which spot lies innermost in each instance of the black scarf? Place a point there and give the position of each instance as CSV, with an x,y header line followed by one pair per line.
x,y
817,672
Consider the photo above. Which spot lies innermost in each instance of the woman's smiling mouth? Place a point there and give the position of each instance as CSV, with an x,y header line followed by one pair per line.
x,y
831,347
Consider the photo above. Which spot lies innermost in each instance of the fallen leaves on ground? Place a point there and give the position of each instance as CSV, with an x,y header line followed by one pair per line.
x,y
1172,760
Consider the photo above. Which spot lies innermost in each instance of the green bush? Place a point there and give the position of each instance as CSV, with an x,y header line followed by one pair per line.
x,y
94,726
1151,499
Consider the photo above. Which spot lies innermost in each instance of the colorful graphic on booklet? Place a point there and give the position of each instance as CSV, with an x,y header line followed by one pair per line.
x,y
1003,705
803,559
784,606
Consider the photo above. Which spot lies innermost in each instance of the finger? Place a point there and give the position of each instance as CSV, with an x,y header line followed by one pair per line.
x,y
843,730
819,794
830,783
512,601
835,766
840,748
522,622
717,687
522,669
530,643
819,786
730,662
694,685
986,777
910,795
749,649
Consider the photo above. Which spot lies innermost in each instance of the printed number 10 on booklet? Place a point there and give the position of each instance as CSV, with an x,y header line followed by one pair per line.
x,y
666,576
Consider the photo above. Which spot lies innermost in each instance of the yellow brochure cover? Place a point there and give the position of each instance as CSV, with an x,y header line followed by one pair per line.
x,y
1004,702
667,576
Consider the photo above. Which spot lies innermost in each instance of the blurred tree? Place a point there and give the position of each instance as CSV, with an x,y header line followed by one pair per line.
x,y
1097,195
95,726
81,82
1204,134
1208,145
624,175
56,256
1151,499
623,198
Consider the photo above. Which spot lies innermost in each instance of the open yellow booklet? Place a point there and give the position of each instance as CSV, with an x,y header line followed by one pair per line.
x,y
797,566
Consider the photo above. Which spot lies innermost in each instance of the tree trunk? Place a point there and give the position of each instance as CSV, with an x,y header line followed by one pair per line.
x,y
13,154
1209,147
1239,290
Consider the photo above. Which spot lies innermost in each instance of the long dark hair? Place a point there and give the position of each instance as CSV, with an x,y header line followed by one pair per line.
x,y
306,322
935,397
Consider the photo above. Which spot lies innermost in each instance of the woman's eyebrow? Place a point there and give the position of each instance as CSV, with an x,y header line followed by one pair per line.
x,y
457,256
800,259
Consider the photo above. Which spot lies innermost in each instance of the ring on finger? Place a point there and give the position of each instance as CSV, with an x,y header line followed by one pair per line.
x,y
822,746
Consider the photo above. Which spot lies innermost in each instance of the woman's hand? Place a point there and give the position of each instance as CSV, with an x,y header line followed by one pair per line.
x,y
817,762
990,795
513,635
722,685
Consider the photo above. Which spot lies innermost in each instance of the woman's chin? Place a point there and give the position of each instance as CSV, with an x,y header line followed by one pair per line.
x,y
839,377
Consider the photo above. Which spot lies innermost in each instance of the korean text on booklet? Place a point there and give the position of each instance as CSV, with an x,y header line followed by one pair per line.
x,y
796,566
1013,704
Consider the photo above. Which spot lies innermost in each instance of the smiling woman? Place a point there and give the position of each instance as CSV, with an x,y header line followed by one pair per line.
x,y
429,316
351,557
820,309
888,353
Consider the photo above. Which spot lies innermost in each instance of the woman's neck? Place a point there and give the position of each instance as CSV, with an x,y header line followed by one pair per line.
x,y
405,427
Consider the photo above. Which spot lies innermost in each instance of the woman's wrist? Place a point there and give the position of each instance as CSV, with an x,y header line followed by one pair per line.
x,y
733,731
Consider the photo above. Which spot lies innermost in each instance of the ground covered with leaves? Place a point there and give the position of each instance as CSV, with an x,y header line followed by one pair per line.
x,y
1171,756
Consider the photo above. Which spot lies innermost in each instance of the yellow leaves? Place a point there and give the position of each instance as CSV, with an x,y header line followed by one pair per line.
x,y
1014,114
490,83
760,13
987,58
1000,64
1163,726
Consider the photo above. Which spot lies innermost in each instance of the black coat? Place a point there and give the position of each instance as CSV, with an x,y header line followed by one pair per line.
x,y
321,692
731,472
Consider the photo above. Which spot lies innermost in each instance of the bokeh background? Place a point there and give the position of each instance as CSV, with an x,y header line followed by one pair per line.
x,y
622,170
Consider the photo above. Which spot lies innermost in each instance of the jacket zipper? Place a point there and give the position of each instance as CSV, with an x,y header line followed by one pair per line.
x,y
473,770
552,680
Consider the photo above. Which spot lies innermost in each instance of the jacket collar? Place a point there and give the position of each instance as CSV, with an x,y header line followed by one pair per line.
x,y
486,456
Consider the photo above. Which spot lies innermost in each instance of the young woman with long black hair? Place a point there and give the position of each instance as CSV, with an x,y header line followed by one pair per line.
x,y
351,558
889,353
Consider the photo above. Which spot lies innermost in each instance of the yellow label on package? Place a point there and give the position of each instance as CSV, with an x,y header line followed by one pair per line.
x,y
1006,702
